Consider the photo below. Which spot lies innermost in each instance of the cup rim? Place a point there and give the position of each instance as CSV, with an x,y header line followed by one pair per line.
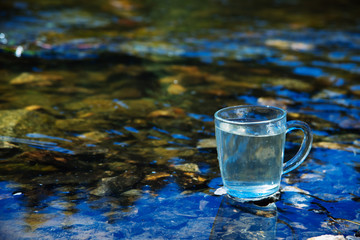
x,y
282,115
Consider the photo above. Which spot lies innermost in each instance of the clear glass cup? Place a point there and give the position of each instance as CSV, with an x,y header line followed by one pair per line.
x,y
250,144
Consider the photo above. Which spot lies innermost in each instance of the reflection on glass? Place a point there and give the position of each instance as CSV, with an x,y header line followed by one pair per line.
x,y
236,220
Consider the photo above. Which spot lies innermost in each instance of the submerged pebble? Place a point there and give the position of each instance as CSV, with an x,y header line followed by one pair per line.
x,y
36,79
113,186
95,135
20,121
188,167
176,89
206,143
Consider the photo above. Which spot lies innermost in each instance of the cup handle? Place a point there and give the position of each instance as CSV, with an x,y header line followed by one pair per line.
x,y
304,148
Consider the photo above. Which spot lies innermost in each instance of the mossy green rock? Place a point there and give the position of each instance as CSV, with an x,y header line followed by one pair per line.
x,y
78,124
36,79
133,107
19,122
293,84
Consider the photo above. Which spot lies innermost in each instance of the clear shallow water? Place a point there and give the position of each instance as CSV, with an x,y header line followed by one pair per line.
x,y
108,106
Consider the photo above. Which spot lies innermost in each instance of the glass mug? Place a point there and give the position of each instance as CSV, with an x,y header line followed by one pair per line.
x,y
250,144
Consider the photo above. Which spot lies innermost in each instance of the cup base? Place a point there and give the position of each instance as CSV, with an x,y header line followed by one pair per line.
x,y
253,196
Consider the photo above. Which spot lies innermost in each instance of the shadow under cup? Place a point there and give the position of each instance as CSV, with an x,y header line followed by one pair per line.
x,y
250,144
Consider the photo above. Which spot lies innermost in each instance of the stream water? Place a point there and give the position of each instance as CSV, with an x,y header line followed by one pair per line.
x,y
106,116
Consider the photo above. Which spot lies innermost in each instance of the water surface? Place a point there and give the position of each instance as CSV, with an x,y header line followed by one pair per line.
x,y
106,116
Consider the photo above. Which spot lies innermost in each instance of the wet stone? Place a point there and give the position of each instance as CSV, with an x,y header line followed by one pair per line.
x,y
160,113
206,143
74,90
135,107
94,135
329,94
173,112
127,93
78,124
311,177
170,79
280,103
43,109
286,44
337,146
157,176
36,79
187,152
47,158
68,162
110,186
343,138
191,75
95,104
21,168
191,180
8,149
176,89
188,167
120,166
216,92
164,154
125,70
18,122
293,84
133,193
314,121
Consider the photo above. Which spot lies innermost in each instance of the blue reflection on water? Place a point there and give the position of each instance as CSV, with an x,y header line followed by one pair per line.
x,y
249,99
131,129
171,211
176,160
355,88
281,62
286,93
53,148
351,67
39,135
153,137
180,136
121,103
337,55
309,71
355,58
320,133
121,144
201,117
160,130
339,169
113,131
